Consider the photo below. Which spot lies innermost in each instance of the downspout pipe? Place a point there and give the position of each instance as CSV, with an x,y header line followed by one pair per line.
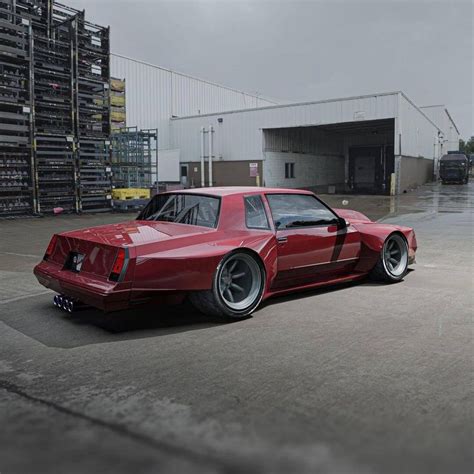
x,y
211,131
203,179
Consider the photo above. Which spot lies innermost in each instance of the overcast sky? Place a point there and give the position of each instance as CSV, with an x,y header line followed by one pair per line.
x,y
306,50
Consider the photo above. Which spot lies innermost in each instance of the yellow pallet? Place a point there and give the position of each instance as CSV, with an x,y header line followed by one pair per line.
x,y
118,116
130,193
116,100
117,85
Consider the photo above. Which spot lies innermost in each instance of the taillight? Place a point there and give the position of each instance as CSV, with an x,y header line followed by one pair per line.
x,y
51,247
119,265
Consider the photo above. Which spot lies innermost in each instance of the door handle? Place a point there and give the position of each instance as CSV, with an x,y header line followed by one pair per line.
x,y
282,240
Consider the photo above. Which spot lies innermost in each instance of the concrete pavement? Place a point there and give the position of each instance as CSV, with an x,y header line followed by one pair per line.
x,y
362,378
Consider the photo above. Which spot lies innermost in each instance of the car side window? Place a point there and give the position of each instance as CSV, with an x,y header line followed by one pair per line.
x,y
255,215
299,210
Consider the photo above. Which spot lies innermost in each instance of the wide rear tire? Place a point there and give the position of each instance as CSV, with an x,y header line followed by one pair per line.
x,y
392,264
237,288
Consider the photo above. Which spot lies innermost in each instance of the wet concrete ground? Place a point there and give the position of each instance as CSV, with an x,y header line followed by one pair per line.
x,y
363,378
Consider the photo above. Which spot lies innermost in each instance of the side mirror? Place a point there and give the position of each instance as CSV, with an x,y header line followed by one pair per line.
x,y
342,223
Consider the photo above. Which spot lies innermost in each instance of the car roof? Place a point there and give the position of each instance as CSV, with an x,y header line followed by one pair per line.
x,y
233,190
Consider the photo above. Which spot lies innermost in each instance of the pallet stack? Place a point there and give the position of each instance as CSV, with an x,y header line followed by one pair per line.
x,y
134,157
54,139
118,112
92,71
16,166
62,117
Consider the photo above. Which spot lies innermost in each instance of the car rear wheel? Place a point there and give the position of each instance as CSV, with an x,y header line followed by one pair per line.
x,y
237,289
392,265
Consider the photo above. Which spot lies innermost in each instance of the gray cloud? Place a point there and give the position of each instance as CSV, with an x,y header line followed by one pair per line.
x,y
306,50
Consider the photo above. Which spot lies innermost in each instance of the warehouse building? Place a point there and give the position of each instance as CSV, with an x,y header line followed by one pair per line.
x,y
380,144
155,94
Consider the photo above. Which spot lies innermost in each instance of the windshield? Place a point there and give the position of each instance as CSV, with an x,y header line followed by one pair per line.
x,y
192,209
453,164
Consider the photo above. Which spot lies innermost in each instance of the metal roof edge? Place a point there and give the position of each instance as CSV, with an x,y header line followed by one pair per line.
x,y
419,110
447,113
452,121
429,106
291,104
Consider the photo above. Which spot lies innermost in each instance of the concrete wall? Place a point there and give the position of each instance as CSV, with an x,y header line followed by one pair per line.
x,y
317,155
313,172
412,172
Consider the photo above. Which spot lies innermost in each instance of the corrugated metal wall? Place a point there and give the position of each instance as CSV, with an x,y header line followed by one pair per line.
x,y
418,133
155,94
439,115
239,136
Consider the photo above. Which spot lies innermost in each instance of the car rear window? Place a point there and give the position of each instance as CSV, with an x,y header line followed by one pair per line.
x,y
191,209
255,215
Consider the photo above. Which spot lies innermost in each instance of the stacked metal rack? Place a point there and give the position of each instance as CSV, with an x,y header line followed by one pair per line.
x,y
54,140
16,189
54,108
91,54
134,157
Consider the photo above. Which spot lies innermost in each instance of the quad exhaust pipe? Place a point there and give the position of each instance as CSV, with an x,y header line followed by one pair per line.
x,y
67,304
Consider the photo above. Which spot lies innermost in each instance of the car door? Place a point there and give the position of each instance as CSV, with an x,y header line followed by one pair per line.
x,y
311,246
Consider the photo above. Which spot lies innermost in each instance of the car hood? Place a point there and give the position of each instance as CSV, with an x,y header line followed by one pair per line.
x,y
132,233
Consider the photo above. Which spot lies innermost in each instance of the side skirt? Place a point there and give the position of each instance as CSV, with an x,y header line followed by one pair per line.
x,y
319,284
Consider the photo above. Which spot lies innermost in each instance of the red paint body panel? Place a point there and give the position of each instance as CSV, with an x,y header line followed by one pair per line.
x,y
171,259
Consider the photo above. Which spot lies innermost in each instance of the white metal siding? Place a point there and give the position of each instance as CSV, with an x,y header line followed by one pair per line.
x,y
439,115
239,136
418,133
155,94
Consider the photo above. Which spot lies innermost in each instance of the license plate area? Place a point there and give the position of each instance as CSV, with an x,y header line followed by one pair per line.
x,y
74,262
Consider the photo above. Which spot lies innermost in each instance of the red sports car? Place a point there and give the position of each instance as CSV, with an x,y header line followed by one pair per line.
x,y
226,248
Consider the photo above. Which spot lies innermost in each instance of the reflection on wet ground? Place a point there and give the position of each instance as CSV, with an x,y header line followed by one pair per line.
x,y
430,198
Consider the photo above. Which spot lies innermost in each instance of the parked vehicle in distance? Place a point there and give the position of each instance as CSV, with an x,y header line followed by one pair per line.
x,y
227,249
454,168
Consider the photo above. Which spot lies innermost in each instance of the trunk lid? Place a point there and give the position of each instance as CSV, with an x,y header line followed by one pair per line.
x,y
133,233
97,247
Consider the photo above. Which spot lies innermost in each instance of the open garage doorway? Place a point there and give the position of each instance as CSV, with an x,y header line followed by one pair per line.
x,y
370,169
350,157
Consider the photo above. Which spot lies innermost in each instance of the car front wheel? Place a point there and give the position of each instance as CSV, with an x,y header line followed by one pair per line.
x,y
392,264
237,289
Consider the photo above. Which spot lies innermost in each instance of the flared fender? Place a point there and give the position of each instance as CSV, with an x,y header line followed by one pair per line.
x,y
373,236
193,267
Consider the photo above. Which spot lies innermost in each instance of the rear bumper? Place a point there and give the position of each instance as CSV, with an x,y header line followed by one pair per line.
x,y
91,290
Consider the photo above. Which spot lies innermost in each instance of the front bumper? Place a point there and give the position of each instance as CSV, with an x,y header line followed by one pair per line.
x,y
87,288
